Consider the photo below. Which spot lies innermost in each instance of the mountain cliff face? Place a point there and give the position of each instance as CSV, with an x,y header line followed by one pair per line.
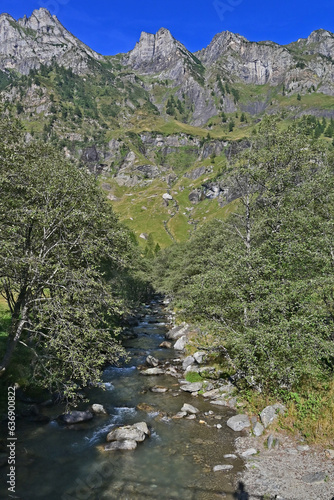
x,y
164,56
250,62
316,55
191,87
177,82
299,66
160,120
40,39
161,53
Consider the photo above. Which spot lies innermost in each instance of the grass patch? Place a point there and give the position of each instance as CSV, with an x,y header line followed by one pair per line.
x,y
193,377
310,411
5,317
314,100
19,369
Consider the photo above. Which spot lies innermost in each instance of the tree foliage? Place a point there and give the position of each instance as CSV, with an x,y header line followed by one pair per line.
x,y
64,264
261,282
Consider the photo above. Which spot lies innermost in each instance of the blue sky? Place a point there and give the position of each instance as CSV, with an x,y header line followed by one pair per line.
x,y
110,26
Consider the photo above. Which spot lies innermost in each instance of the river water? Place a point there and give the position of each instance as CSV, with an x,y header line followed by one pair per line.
x,y
176,462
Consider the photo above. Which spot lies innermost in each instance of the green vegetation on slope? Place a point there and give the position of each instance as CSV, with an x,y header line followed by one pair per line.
x,y
68,269
260,282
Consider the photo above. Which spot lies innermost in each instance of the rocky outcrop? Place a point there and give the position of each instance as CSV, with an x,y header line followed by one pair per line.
x,y
238,422
162,54
250,62
41,39
233,56
127,437
270,413
178,331
318,42
75,417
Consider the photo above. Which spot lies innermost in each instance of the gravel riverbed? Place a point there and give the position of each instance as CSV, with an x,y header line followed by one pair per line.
x,y
291,471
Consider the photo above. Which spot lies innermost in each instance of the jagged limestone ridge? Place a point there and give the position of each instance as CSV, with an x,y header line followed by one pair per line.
x,y
40,39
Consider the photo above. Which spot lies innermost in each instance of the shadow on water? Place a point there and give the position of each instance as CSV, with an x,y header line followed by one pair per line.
x,y
192,493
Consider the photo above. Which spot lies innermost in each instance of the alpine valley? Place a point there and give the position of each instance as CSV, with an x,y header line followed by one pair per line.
x,y
158,124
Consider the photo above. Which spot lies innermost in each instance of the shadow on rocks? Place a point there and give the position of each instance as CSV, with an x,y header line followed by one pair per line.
x,y
241,494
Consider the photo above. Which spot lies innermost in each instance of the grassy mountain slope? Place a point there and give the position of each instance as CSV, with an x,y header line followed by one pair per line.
x,y
144,121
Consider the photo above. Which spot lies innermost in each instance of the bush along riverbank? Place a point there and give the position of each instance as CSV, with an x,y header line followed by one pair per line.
x,y
286,454
258,285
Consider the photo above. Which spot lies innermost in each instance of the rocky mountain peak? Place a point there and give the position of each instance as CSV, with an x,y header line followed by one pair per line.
x,y
157,52
322,42
6,17
164,32
319,36
318,42
39,19
40,39
220,43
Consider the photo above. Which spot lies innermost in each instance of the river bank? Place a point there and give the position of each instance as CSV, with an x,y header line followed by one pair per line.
x,y
176,461
292,471
278,465
191,452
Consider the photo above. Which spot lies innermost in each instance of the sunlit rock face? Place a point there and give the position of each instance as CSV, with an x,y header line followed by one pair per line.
x,y
41,39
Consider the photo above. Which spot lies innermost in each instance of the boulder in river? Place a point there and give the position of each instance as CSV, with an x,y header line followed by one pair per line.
x,y
136,432
189,408
218,468
145,407
159,389
171,370
98,409
192,387
153,371
165,345
191,417
151,361
76,417
179,415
